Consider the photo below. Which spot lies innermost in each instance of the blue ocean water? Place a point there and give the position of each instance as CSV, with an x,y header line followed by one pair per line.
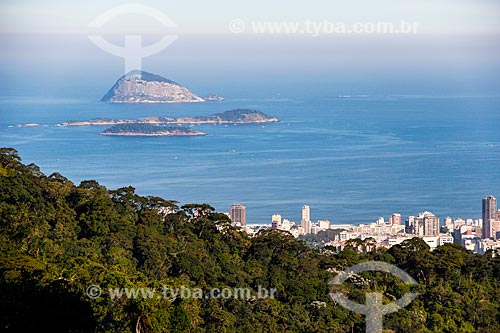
x,y
351,159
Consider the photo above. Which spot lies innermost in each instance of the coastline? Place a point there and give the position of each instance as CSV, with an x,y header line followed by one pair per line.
x,y
180,121
153,134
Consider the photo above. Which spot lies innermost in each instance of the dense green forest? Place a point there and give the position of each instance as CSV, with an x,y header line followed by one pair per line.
x,y
58,238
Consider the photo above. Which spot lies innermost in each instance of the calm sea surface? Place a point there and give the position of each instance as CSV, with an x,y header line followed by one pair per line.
x,y
351,159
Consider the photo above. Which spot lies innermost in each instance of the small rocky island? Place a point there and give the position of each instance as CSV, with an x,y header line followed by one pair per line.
x,y
213,97
141,129
237,116
143,87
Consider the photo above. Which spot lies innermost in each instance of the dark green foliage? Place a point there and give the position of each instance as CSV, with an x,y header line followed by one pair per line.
x,y
322,236
240,115
236,116
57,238
142,128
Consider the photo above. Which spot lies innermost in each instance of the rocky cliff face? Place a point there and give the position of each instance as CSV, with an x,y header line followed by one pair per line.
x,y
143,87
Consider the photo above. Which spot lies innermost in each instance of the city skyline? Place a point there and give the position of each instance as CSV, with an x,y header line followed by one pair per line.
x,y
469,233
397,218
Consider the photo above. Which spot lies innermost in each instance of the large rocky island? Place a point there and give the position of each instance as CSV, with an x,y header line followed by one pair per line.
x,y
143,87
237,116
139,129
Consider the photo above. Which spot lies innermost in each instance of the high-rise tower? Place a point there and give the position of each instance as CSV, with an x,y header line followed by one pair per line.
x,y
306,219
489,215
238,214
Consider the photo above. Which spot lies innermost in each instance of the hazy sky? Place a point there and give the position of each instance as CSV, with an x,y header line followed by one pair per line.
x,y
212,17
457,41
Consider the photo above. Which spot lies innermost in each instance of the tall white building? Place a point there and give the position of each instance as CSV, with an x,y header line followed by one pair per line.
x,y
306,213
276,221
489,216
425,224
306,219
306,226
448,222
237,213
430,223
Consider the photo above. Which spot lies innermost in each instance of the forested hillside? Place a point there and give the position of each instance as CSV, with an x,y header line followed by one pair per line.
x,y
58,238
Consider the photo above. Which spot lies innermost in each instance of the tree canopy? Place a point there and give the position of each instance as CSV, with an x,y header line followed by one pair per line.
x,y
58,238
